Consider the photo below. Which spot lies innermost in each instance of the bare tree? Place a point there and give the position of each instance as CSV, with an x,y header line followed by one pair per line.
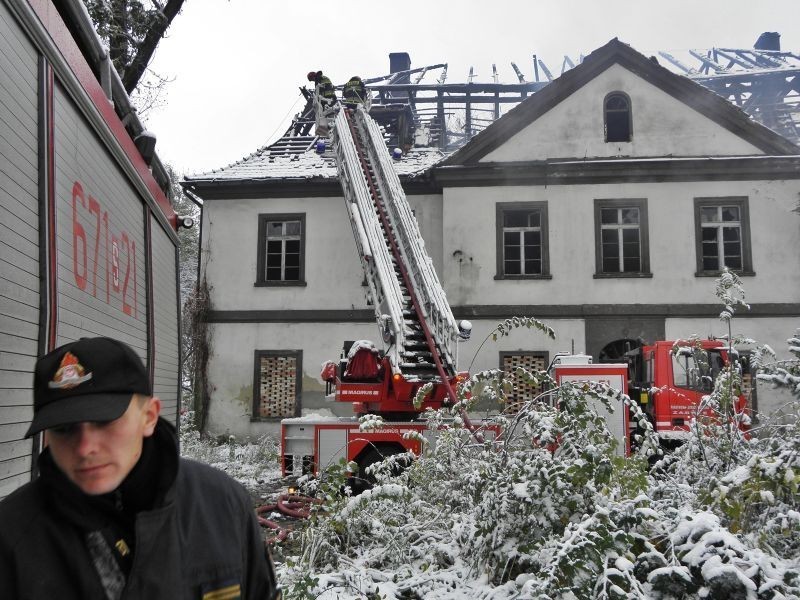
x,y
132,30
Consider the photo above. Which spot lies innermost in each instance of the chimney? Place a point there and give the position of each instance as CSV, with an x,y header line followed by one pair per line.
x,y
769,40
400,61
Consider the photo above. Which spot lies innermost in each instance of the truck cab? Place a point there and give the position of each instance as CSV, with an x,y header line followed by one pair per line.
x,y
670,379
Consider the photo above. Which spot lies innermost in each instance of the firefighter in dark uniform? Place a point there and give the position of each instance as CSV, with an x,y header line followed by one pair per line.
x,y
324,88
116,512
354,92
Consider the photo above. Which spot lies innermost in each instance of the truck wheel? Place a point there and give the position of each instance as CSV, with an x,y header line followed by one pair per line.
x,y
374,454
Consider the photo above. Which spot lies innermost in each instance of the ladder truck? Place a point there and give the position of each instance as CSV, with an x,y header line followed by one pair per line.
x,y
415,321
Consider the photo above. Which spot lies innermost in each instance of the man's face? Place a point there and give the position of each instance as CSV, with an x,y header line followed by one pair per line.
x,y
97,456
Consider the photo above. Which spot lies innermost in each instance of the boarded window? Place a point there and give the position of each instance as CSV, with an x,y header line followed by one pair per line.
x,y
617,113
277,384
522,391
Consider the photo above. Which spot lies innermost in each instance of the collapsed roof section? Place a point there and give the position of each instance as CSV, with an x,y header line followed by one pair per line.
x,y
429,116
712,106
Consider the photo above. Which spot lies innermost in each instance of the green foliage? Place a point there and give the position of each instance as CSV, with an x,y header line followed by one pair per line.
x,y
249,462
783,373
549,509
132,29
759,498
506,327
730,292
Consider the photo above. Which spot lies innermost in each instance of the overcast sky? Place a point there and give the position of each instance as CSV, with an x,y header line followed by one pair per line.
x,y
237,64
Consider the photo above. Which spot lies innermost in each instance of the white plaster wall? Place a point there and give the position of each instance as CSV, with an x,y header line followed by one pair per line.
x,y
428,212
770,331
662,126
332,268
232,361
333,272
470,246
570,336
776,404
232,364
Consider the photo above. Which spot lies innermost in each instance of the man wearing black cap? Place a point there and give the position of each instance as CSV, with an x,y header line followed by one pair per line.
x,y
116,513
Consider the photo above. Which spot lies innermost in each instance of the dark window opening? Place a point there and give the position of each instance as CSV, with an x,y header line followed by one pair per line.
x,y
617,116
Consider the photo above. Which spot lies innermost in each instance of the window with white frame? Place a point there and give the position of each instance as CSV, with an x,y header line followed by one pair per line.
x,y
722,232
522,240
281,249
621,235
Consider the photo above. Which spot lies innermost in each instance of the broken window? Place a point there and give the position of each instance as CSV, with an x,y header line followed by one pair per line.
x,y
617,116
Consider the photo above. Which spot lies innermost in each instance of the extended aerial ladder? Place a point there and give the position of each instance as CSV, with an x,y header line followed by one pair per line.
x,y
415,321
411,309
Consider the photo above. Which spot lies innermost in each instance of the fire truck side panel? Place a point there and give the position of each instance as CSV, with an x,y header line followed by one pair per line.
x,y
616,376
662,397
19,244
297,443
328,441
165,353
87,245
330,447
100,238
674,405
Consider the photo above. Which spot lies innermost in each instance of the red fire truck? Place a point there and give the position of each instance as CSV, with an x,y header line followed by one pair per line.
x,y
411,311
88,234
420,334
669,380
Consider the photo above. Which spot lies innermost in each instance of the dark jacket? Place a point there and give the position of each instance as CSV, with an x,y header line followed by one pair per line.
x,y
325,88
200,537
354,92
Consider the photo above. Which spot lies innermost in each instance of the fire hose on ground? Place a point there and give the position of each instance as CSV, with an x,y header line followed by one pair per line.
x,y
291,505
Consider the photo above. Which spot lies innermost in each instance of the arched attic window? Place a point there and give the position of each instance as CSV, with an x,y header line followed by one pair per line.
x,y
617,117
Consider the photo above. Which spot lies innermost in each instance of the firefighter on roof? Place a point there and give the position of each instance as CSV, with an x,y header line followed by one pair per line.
x,y
354,92
324,88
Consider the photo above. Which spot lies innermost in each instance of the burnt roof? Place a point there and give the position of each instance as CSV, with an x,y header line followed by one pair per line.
x,y
702,100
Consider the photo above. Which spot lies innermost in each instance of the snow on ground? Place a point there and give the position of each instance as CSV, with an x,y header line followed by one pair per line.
x,y
549,512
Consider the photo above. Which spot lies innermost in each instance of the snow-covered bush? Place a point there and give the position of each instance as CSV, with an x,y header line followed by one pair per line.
x,y
250,463
547,509
784,373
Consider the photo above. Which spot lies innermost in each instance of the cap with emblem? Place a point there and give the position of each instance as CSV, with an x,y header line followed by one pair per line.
x,y
92,379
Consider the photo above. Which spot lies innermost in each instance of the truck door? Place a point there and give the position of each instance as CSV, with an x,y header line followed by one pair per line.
x,y
693,372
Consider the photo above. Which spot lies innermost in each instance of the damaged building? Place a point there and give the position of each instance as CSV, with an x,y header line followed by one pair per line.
x,y
604,201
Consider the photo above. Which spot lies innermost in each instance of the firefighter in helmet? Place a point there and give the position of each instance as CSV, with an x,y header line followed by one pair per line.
x,y
324,88
354,92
